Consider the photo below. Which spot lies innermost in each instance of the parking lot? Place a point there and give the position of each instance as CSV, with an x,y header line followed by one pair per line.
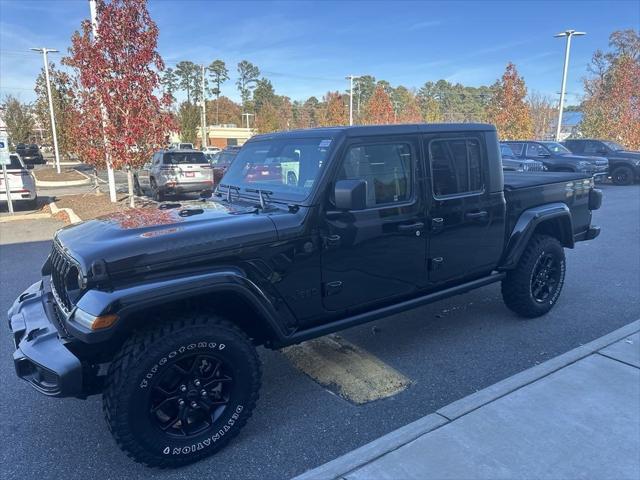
x,y
447,350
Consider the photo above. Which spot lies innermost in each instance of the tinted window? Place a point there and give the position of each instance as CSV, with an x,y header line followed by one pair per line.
x,y
592,147
506,150
15,164
225,158
183,158
386,168
286,167
455,166
556,147
517,148
574,146
534,150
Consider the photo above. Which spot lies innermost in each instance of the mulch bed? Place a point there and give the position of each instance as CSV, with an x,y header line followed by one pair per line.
x,y
90,205
48,174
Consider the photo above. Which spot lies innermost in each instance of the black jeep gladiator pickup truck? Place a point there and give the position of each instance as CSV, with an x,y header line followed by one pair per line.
x,y
160,308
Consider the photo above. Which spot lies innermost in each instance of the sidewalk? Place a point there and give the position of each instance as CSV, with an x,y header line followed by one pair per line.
x,y
574,416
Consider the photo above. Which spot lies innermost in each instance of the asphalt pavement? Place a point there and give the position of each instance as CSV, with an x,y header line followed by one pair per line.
x,y
448,350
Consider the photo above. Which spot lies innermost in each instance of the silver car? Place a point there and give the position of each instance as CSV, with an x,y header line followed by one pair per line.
x,y
174,172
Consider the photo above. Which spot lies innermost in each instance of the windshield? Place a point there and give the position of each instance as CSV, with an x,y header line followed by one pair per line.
x,y
616,147
184,158
506,150
556,147
224,158
15,164
286,167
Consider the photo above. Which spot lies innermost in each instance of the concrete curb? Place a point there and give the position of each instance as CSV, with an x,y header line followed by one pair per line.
x,y
392,441
73,218
26,216
69,183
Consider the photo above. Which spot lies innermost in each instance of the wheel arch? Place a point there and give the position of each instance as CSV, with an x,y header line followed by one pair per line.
x,y
553,220
225,293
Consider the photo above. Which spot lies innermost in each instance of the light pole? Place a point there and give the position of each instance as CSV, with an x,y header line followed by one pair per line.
x,y
568,34
351,78
44,52
204,113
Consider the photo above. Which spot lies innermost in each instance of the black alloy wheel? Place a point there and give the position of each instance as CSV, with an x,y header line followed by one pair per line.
x,y
545,278
191,395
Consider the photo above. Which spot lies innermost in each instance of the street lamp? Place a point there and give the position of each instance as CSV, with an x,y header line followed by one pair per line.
x,y
44,52
351,78
568,34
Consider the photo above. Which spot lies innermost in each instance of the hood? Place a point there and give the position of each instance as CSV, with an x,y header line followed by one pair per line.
x,y
586,158
633,155
177,234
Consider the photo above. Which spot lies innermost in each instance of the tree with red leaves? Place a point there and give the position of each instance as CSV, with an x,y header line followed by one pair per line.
x,y
118,71
379,109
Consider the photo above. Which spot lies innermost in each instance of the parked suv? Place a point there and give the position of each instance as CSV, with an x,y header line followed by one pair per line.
x,y
30,153
22,185
175,172
557,158
221,162
624,165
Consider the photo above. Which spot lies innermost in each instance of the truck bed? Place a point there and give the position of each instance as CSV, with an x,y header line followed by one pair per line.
x,y
516,180
527,190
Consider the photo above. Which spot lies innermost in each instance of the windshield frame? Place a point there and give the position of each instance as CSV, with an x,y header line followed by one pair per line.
x,y
279,196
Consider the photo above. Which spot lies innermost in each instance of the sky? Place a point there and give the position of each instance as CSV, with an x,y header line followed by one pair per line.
x,y
307,48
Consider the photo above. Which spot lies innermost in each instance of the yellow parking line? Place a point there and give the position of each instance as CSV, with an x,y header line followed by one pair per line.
x,y
346,369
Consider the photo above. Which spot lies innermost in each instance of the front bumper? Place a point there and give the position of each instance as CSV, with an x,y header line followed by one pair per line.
x,y
41,357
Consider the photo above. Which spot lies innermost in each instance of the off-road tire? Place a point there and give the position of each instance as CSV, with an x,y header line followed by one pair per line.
x,y
517,287
154,352
622,175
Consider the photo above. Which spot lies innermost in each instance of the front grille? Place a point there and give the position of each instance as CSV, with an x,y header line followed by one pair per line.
x,y
535,167
64,274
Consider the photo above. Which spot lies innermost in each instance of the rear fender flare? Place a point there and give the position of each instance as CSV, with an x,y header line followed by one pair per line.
x,y
526,225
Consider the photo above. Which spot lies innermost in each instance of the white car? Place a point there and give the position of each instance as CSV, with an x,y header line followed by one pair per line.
x,y
211,150
22,184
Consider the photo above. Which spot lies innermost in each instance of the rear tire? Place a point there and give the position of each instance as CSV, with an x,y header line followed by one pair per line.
x,y
622,175
533,287
181,391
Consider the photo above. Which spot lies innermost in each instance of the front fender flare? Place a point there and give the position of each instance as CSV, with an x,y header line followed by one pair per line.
x,y
129,300
527,224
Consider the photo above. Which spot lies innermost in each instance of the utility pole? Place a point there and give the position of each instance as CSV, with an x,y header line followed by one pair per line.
x,y
247,115
110,176
351,78
568,34
44,52
204,114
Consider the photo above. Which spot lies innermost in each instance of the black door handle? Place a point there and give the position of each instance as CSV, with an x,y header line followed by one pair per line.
x,y
411,227
477,215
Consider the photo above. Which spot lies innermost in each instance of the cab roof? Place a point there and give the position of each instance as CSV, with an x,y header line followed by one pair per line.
x,y
367,130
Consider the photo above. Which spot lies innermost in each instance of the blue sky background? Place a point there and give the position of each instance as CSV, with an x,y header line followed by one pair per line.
x,y
306,48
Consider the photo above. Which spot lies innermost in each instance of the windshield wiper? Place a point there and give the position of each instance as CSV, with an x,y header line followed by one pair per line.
x,y
261,193
229,188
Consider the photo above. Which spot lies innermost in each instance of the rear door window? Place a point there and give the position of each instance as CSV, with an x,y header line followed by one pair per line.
x,y
592,148
15,164
517,148
456,166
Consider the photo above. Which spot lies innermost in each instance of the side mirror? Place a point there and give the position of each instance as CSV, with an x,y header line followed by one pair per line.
x,y
351,194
